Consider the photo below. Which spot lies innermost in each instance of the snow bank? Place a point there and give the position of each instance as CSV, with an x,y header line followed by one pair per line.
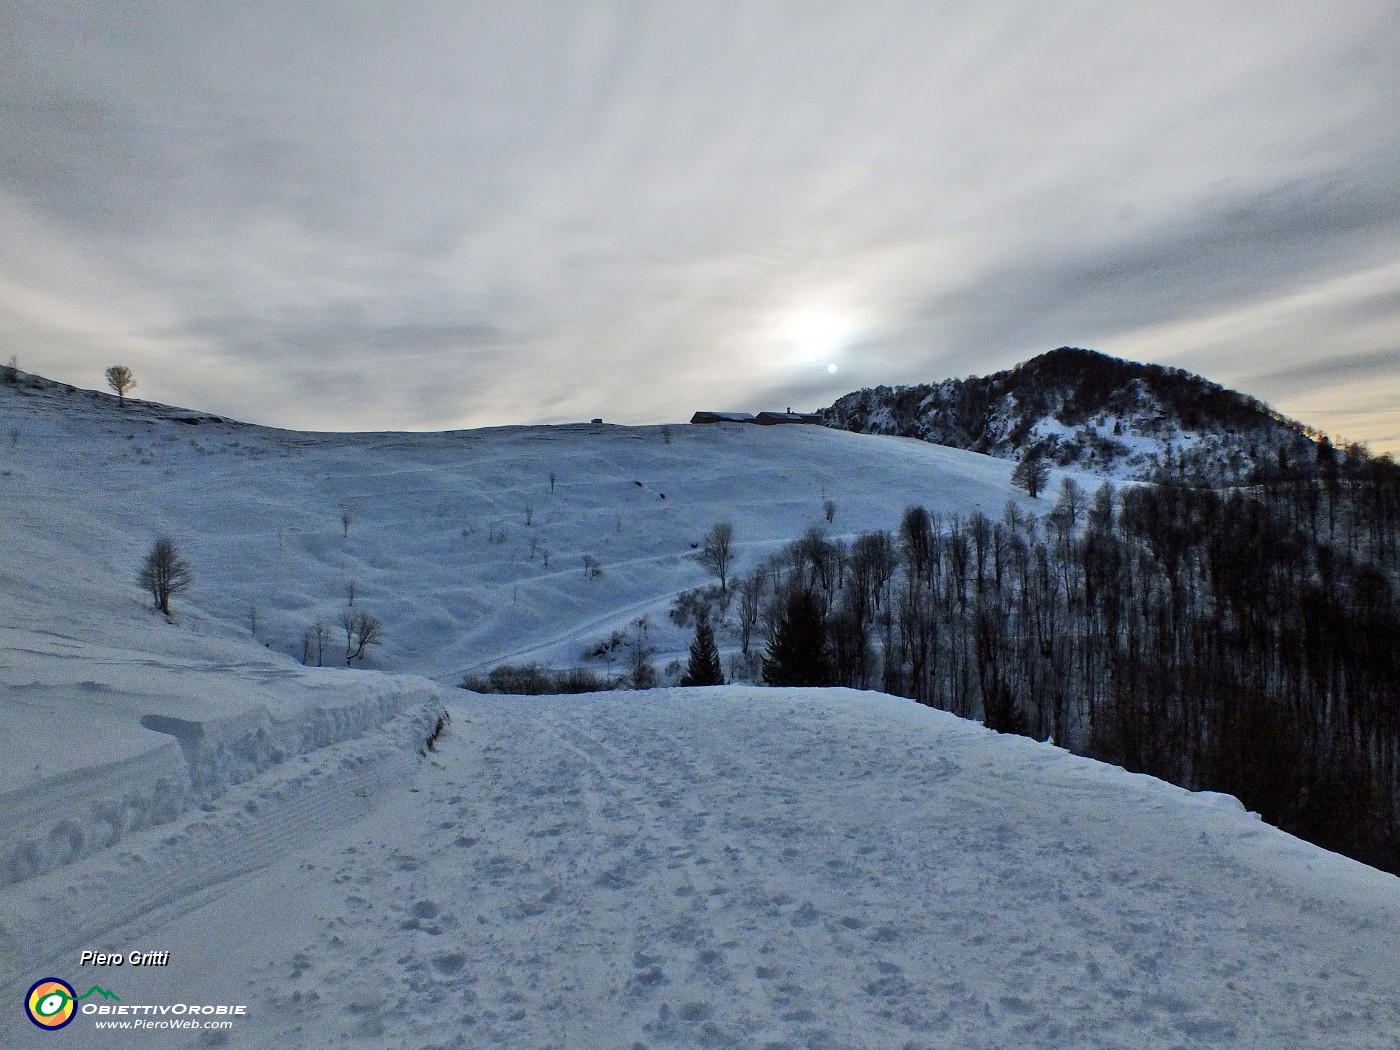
x,y
182,751
56,820
224,751
174,866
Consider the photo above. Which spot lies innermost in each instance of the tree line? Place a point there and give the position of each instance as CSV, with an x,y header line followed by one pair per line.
x,y
1241,640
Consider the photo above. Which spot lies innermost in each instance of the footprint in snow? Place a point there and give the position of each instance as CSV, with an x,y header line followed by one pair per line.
x,y
450,964
421,917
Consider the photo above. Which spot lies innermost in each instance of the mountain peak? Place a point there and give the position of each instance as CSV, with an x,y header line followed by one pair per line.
x,y
1087,409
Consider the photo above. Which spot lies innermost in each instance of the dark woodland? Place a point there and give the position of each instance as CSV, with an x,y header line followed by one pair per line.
x,y
1095,405
1242,640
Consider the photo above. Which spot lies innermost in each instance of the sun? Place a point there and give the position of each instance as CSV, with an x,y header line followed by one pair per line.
x,y
814,335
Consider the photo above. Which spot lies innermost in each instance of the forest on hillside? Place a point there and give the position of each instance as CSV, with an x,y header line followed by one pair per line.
x,y
1239,640
1079,407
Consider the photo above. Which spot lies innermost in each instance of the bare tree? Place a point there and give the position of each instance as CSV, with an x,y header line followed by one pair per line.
x,y
362,630
750,605
1031,474
165,573
1070,507
641,673
120,379
717,552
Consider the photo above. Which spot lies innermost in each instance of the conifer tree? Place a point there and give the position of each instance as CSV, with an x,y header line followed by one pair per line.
x,y
798,654
704,667
120,379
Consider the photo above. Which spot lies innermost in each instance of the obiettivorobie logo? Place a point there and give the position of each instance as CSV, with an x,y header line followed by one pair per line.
x,y
52,1003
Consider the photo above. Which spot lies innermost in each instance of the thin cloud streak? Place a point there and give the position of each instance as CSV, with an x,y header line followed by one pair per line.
x,y
310,214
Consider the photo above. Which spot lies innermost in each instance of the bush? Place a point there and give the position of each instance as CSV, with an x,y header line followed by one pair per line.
x,y
534,680
690,606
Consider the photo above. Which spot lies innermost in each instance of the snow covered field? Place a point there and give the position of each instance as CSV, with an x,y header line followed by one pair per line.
x,y
730,867
741,868
459,543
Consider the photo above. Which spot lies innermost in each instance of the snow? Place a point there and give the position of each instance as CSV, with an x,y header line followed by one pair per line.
x,y
731,867
438,545
742,867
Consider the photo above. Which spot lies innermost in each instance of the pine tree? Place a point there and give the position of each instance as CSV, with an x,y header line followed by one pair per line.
x,y
798,654
704,668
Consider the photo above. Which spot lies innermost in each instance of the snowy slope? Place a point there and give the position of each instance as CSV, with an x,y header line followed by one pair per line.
x,y
754,868
438,545
117,720
727,867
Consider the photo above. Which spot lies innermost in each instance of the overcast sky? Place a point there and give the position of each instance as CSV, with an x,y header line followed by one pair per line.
x,y
432,215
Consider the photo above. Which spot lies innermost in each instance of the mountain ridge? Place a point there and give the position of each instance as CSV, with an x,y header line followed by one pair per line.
x,y
1086,409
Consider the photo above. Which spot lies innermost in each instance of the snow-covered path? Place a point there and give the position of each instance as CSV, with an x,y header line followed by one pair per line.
x,y
774,868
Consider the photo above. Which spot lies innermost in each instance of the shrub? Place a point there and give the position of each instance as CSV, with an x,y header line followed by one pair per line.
x,y
534,680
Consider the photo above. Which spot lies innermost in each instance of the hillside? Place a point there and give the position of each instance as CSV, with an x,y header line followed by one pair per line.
x,y
1088,410
467,545
459,543
725,867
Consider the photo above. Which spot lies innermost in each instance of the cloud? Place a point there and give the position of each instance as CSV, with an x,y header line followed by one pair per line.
x,y
538,213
